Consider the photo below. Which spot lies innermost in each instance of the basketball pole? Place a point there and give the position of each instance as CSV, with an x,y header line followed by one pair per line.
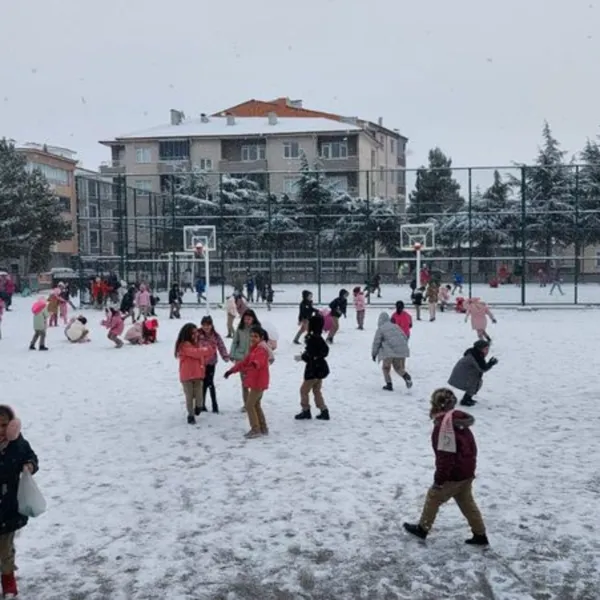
x,y
207,277
418,267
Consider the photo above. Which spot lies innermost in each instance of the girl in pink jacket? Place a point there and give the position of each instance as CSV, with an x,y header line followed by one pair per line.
x,y
360,305
115,325
479,311
142,299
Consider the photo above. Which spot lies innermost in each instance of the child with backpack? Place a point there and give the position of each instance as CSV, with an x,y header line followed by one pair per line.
x,y
315,371
255,371
16,457
192,369
360,306
115,325
208,337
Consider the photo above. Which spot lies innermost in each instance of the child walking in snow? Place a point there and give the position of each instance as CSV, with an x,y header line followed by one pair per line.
x,y
432,297
479,311
338,307
390,345
316,369
360,306
142,300
455,462
417,300
192,369
175,302
241,346
16,457
53,302
113,321
231,311
208,337
402,319
40,324
467,374
255,371
128,304
305,311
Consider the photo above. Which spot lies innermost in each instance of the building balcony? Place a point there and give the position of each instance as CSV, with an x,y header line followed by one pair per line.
x,y
166,167
112,167
350,163
242,166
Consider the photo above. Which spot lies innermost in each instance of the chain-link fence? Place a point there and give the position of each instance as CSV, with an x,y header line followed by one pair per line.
x,y
512,233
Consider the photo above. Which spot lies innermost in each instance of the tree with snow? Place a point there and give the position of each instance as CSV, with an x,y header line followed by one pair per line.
x,y
588,229
31,220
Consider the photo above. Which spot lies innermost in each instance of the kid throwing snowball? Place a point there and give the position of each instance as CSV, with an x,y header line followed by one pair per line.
x,y
467,374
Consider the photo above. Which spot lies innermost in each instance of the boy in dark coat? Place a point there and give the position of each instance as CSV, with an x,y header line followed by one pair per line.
x,y
455,461
306,311
417,300
16,456
128,303
175,302
467,374
338,307
317,369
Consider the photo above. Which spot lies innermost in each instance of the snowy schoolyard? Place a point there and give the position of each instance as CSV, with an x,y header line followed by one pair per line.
x,y
144,506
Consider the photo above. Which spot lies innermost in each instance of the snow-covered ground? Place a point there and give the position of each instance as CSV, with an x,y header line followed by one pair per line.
x,y
588,293
144,506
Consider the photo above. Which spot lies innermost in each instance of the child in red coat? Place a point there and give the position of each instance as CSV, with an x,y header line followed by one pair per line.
x,y
255,370
115,325
455,461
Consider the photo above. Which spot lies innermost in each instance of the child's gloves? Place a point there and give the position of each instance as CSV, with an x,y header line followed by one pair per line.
x,y
227,373
298,357
494,321
493,361
374,358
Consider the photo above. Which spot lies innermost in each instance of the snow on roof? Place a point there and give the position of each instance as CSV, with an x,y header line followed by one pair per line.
x,y
243,126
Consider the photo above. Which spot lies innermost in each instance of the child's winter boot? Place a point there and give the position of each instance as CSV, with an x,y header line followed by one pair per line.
x,y
388,387
468,401
9,585
215,406
304,414
323,415
191,420
478,540
43,348
416,530
408,380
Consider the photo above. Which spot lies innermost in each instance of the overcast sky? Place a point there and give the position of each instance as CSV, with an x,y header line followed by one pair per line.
x,y
475,77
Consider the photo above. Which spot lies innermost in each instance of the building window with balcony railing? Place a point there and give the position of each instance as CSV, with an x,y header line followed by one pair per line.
x,y
65,204
174,150
143,155
143,187
253,152
205,164
291,150
94,241
334,150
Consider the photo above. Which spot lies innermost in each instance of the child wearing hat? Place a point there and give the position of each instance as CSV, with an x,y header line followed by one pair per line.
x,y
455,462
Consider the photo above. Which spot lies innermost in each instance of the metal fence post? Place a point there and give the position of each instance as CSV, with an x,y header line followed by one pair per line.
x,y
577,241
121,237
221,241
172,245
270,229
319,265
368,224
470,229
523,235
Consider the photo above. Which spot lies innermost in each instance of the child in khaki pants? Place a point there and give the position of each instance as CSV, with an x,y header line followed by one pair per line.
x,y
192,368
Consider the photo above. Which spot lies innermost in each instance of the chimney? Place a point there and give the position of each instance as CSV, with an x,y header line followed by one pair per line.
x,y
380,121
272,118
230,119
203,118
295,103
176,117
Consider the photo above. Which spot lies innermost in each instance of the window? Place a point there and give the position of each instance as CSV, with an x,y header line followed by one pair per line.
x,y
381,174
174,150
65,204
392,176
401,148
334,150
94,240
205,164
392,146
338,182
93,211
143,155
290,186
373,155
291,150
143,186
54,175
253,152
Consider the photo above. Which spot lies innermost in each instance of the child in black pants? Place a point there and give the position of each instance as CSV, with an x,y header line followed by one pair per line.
x,y
207,336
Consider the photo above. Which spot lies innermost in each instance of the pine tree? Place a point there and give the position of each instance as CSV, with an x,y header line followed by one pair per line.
x,y
31,220
589,195
436,191
549,197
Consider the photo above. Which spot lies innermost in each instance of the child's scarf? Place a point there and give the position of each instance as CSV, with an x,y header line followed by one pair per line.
x,y
447,437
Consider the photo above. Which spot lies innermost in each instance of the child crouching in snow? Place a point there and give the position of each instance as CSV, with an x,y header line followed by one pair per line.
x,y
115,325
16,457
255,371
76,330
455,461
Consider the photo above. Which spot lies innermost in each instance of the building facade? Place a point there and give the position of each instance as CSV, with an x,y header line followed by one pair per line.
x,y
58,166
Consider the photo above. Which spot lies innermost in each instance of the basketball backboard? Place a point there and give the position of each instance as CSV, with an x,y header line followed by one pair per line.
x,y
421,233
199,234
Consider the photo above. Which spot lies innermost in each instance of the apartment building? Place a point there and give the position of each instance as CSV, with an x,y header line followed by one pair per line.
x,y
361,157
58,166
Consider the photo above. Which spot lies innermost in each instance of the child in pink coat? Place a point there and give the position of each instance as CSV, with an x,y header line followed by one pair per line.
x,y
360,306
115,325
479,311
142,300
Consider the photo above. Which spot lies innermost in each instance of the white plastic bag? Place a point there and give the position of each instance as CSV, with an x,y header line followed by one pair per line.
x,y
30,499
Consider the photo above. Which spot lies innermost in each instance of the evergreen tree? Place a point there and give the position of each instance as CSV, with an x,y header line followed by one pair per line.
x,y
589,195
549,197
436,191
31,220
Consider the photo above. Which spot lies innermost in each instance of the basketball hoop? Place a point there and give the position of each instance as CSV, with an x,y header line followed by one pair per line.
x,y
417,246
199,250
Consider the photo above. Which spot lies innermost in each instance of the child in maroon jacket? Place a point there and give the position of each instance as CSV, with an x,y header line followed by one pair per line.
x,y
455,461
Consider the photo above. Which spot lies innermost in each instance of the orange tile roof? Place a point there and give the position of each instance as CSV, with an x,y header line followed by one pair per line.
x,y
280,106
